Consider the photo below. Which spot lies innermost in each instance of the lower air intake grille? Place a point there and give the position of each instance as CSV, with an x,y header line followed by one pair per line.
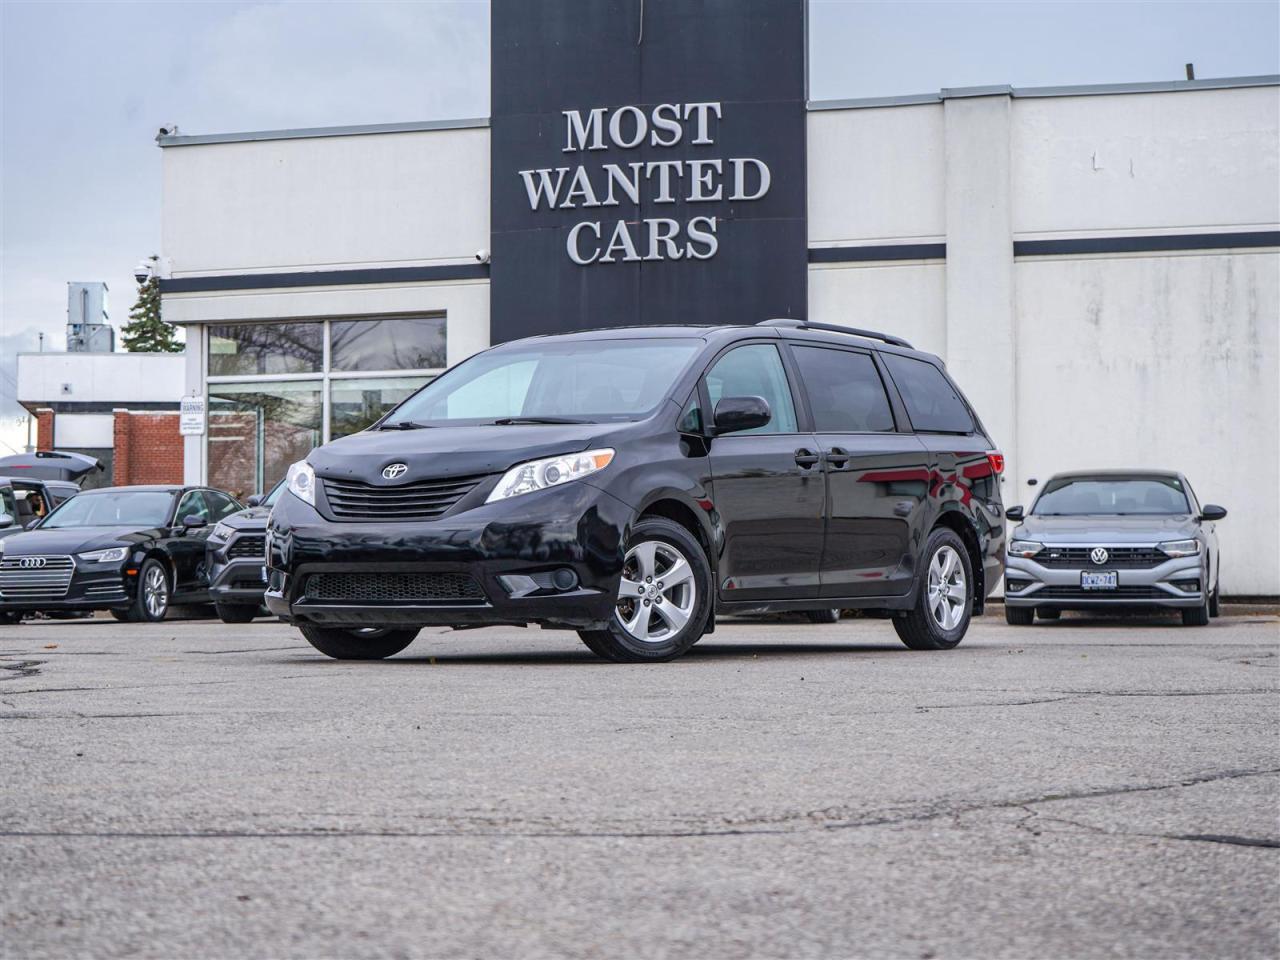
x,y
393,587
1119,593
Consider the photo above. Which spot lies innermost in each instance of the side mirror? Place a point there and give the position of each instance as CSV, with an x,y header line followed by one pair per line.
x,y
193,522
1211,511
1014,513
32,524
256,500
5,521
741,413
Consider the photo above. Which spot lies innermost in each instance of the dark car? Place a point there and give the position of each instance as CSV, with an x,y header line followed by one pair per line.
x,y
131,550
24,501
630,483
1114,539
237,557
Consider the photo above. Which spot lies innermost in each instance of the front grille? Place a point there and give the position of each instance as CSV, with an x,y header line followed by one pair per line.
x,y
250,547
424,500
391,587
1132,558
47,582
1119,593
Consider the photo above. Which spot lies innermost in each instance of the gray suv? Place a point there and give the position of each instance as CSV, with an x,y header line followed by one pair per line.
x,y
1108,539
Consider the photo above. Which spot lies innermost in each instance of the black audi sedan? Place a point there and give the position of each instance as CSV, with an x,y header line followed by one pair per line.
x,y
131,550
237,557
630,483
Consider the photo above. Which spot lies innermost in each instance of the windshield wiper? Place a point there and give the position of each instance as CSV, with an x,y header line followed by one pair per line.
x,y
508,421
405,425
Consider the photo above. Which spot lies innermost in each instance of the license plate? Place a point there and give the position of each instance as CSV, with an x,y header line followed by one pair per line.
x,y
1099,581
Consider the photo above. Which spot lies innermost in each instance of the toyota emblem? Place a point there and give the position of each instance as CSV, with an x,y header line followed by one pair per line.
x,y
395,470
31,562
1099,555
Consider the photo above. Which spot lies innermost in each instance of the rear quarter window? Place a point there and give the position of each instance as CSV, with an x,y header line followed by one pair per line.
x,y
932,402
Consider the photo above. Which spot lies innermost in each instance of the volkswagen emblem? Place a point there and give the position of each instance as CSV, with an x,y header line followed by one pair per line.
x,y
395,470
1099,555
30,562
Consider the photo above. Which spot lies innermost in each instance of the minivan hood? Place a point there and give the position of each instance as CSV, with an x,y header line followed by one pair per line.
x,y
1106,529
449,451
71,540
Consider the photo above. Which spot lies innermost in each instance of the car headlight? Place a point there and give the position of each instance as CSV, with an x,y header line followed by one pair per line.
x,y
221,532
301,481
110,555
551,472
1024,548
1179,548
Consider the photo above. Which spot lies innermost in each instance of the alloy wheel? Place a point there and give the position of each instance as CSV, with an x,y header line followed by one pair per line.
x,y
658,594
155,592
948,591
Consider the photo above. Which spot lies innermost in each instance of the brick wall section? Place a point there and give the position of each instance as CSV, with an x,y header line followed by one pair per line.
x,y
148,448
44,429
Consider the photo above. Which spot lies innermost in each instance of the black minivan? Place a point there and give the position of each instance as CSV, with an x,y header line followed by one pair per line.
x,y
631,483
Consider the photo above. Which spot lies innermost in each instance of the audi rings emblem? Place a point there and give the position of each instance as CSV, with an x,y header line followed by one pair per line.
x,y
28,563
395,470
1099,555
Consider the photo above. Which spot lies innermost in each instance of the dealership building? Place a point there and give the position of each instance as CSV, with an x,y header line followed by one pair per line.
x,y
1099,266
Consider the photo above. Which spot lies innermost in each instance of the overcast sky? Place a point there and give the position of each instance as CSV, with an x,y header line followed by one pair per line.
x,y
85,85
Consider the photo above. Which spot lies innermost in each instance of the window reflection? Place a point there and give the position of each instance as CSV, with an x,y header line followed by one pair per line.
x,y
355,404
257,429
264,348
393,343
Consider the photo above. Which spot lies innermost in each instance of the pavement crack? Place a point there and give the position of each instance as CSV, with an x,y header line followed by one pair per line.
x,y
21,669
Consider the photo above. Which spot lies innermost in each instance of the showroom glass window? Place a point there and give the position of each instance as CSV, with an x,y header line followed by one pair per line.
x,y
276,390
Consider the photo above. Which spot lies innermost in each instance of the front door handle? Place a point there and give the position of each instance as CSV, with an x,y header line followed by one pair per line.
x,y
837,457
806,458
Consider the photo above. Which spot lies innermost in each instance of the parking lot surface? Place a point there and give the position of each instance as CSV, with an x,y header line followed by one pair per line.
x,y
1080,788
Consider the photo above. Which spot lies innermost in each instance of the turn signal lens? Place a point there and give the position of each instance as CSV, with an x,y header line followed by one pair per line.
x,y
996,459
551,472
1024,548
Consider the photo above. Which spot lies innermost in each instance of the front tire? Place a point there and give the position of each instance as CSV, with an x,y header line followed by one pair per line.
x,y
235,612
1019,616
152,602
1215,601
10,618
664,597
361,643
940,617
1196,616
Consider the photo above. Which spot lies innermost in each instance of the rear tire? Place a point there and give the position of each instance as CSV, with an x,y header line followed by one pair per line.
x,y
365,643
940,617
1196,616
235,612
1048,613
822,616
1019,616
663,618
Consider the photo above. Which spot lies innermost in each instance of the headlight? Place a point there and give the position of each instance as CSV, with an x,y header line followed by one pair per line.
x,y
1024,548
111,555
302,482
540,474
221,532
1179,548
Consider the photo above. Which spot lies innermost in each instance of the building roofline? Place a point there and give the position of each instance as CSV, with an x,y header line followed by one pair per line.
x,y
1029,93
307,133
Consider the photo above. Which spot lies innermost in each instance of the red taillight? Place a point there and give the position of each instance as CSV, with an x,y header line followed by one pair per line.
x,y
996,459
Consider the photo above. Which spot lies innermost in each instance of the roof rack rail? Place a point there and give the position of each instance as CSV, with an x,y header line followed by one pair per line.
x,y
794,324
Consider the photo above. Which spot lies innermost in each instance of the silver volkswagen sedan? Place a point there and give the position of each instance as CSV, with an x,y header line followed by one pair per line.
x,y
1109,539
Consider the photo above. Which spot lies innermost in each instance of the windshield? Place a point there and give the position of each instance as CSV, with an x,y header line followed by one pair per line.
x,y
274,495
577,381
1118,496
132,508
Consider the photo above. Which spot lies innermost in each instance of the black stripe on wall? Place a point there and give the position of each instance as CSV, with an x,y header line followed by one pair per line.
x,y
887,251
325,278
1183,241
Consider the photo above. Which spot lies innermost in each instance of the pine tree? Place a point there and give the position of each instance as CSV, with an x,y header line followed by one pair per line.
x,y
146,332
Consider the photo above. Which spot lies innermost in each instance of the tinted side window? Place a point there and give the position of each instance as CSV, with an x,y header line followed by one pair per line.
x,y
932,403
754,371
844,390
193,504
220,505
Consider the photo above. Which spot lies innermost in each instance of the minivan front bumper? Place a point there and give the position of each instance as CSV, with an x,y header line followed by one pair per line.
x,y
509,551
1031,584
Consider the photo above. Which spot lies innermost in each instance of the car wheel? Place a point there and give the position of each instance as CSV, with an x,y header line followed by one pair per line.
x,y
822,616
235,612
1215,601
1196,616
124,615
152,602
359,643
940,617
1048,613
1019,616
664,597
10,618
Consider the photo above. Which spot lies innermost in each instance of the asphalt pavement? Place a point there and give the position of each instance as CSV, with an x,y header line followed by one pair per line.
x,y
1085,788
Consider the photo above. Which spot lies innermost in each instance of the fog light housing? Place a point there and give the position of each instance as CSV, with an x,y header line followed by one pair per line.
x,y
1187,586
1013,586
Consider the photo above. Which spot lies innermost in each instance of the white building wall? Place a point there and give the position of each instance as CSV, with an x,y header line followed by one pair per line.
x,y
114,378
